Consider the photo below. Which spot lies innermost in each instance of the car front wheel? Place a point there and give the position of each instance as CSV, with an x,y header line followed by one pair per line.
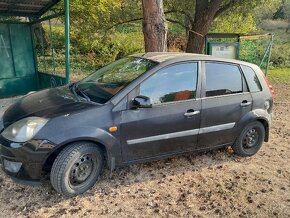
x,y
77,168
250,140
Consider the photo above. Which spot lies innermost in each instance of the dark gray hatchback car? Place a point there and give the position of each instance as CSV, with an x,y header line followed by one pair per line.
x,y
140,108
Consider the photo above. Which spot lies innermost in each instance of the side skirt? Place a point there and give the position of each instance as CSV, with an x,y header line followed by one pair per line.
x,y
165,156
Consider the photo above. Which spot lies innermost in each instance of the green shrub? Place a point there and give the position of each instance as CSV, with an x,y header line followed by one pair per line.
x,y
87,55
280,56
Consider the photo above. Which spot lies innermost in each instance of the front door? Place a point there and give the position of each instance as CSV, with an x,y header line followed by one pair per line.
x,y
172,124
225,101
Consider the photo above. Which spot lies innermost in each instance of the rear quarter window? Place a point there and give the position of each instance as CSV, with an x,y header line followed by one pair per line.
x,y
252,79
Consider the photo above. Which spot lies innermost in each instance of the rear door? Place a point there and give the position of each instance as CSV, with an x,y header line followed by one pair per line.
x,y
172,124
225,99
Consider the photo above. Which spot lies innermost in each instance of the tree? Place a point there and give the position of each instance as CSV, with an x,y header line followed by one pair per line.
x,y
205,12
283,12
154,26
92,20
199,16
41,38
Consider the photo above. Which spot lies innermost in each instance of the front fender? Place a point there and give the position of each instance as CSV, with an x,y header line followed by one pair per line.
x,y
87,133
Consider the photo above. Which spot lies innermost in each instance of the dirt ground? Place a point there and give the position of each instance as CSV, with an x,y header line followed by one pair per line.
x,y
212,184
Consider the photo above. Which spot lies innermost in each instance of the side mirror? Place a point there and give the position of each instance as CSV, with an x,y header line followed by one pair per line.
x,y
141,102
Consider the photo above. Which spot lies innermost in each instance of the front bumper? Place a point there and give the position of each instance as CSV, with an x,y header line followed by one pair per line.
x,y
31,155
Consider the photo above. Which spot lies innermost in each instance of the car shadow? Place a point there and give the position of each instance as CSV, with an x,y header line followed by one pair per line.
x,y
172,166
44,196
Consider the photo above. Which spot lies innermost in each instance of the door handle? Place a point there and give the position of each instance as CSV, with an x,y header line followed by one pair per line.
x,y
191,113
246,103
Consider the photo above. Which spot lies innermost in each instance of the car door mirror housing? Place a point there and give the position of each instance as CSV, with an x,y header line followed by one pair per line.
x,y
141,101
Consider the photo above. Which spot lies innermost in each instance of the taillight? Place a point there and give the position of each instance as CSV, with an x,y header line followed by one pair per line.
x,y
269,86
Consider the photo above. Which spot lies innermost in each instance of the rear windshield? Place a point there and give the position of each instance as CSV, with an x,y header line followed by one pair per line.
x,y
109,80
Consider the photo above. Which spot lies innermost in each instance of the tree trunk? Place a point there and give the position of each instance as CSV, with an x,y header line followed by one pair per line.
x,y
41,38
205,12
154,26
195,41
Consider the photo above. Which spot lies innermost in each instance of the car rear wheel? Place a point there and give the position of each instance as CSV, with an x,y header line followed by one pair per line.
x,y
250,140
77,168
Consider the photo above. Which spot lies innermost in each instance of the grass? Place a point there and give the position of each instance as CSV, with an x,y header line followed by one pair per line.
x,y
279,76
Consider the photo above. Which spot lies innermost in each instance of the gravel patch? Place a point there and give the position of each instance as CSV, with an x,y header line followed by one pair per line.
x,y
212,184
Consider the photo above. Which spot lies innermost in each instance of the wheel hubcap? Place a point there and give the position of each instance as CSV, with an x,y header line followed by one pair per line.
x,y
251,138
81,169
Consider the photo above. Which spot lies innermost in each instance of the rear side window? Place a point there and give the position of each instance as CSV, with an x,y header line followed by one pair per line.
x,y
222,79
174,83
252,79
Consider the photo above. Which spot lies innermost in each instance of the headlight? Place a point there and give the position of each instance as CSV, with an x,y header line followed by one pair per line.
x,y
24,130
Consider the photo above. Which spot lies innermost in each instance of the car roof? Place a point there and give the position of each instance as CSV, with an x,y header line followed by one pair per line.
x,y
179,56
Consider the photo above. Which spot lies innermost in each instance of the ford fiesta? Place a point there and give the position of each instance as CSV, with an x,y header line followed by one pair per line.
x,y
140,108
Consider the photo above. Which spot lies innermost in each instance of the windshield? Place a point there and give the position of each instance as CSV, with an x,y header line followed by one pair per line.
x,y
109,80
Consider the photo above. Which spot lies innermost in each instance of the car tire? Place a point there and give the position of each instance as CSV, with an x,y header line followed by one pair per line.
x,y
250,140
77,168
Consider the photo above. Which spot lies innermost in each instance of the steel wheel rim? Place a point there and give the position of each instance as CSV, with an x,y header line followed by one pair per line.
x,y
251,138
82,170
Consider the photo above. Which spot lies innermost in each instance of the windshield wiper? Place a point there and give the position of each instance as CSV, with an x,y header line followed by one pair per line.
x,y
76,90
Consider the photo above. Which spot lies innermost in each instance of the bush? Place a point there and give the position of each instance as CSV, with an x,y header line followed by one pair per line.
x,y
280,56
87,55
176,42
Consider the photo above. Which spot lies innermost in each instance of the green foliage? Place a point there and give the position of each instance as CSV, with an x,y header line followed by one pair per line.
x,y
280,14
128,43
280,55
253,50
281,48
266,10
95,37
279,76
235,22
87,55
91,19
244,18
101,34
283,11
57,36
94,21
248,52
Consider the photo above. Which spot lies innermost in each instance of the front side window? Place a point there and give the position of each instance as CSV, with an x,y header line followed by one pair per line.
x,y
109,80
174,83
252,79
222,79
